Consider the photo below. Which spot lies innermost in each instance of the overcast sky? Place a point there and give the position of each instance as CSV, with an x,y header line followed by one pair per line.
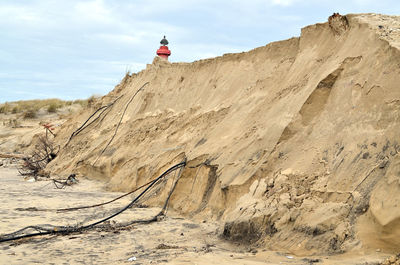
x,y
76,48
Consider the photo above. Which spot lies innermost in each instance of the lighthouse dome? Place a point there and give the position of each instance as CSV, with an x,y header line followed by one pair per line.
x,y
164,41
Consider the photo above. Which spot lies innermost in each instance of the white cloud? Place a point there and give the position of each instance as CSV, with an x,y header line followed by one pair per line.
x,y
89,44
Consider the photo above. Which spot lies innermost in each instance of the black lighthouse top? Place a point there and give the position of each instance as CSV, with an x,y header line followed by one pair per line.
x,y
164,41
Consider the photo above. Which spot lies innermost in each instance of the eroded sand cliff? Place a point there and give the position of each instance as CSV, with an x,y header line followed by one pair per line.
x,y
293,145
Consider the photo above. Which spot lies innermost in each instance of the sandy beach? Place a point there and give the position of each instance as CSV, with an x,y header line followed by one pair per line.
x,y
172,240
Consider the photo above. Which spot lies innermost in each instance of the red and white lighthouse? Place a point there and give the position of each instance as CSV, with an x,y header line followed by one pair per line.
x,y
164,52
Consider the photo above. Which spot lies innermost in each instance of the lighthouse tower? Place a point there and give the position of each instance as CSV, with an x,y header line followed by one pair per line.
x,y
164,52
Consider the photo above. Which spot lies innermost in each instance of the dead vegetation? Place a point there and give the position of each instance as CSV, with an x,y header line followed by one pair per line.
x,y
44,151
12,123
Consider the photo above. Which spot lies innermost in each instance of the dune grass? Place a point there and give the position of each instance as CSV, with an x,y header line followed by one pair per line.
x,y
29,108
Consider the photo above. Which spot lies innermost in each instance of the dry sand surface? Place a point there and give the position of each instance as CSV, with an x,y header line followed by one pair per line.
x,y
173,240
291,148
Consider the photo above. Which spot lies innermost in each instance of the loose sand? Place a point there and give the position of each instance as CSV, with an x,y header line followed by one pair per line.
x,y
172,240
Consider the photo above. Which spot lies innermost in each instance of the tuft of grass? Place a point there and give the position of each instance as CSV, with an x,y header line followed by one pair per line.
x,y
5,108
29,114
92,100
82,102
52,108
15,110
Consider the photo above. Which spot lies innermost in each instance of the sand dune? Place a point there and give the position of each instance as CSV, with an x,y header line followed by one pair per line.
x,y
286,143
293,146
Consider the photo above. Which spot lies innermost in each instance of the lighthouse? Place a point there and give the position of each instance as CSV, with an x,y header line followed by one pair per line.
x,y
164,52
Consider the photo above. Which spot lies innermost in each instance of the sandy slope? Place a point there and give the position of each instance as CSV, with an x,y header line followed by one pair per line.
x,y
292,146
